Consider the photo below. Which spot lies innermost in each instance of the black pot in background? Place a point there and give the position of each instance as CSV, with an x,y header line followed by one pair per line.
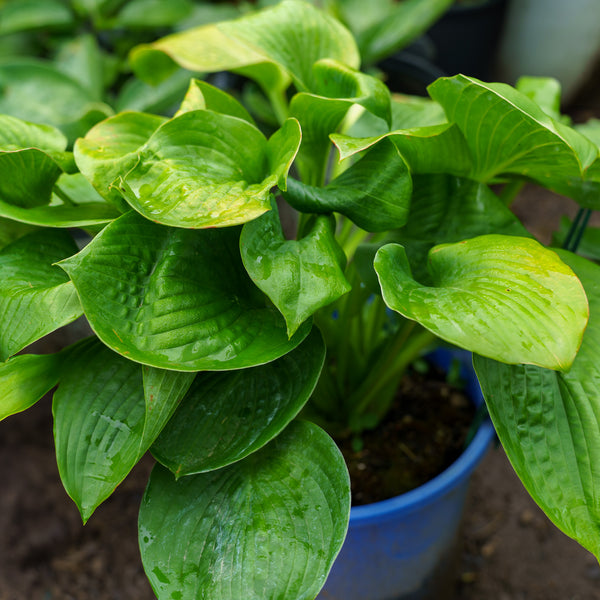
x,y
466,38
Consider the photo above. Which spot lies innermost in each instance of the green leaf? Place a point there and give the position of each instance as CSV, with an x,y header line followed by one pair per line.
x,y
24,379
227,416
139,96
35,297
204,169
152,13
36,91
163,391
105,419
447,209
28,170
111,149
337,88
269,526
374,192
432,149
548,424
298,276
507,133
81,58
544,91
268,46
504,297
204,96
30,15
176,299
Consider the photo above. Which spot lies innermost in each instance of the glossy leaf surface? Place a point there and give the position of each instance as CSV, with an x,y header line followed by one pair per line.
x,y
267,46
35,297
374,192
508,133
102,423
24,379
548,424
504,297
204,169
175,298
268,526
226,416
298,276
110,149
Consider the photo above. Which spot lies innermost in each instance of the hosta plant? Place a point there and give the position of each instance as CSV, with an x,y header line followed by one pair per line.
x,y
223,345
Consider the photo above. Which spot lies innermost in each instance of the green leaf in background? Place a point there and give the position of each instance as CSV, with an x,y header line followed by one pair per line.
x,y
227,416
337,88
138,96
277,266
201,95
111,149
267,46
204,169
176,298
507,133
548,424
269,526
374,192
504,297
37,91
544,91
24,379
35,297
402,23
152,13
81,58
29,15
102,424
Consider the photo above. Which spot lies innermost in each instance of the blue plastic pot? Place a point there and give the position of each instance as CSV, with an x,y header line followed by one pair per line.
x,y
405,548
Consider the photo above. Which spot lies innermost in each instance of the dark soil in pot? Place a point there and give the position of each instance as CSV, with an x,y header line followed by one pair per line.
x,y
423,434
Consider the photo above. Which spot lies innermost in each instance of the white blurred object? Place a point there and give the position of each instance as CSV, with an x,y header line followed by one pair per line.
x,y
552,38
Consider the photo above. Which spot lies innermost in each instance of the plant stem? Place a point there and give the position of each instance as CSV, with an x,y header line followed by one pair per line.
x,y
64,196
510,191
577,229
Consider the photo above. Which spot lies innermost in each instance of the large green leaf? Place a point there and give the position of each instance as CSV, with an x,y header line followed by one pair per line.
x,y
227,416
205,169
298,276
24,379
374,192
507,133
103,423
35,297
504,297
37,91
267,45
111,149
176,299
269,526
548,423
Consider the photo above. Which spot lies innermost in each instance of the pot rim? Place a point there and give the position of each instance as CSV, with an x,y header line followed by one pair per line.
x,y
451,477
